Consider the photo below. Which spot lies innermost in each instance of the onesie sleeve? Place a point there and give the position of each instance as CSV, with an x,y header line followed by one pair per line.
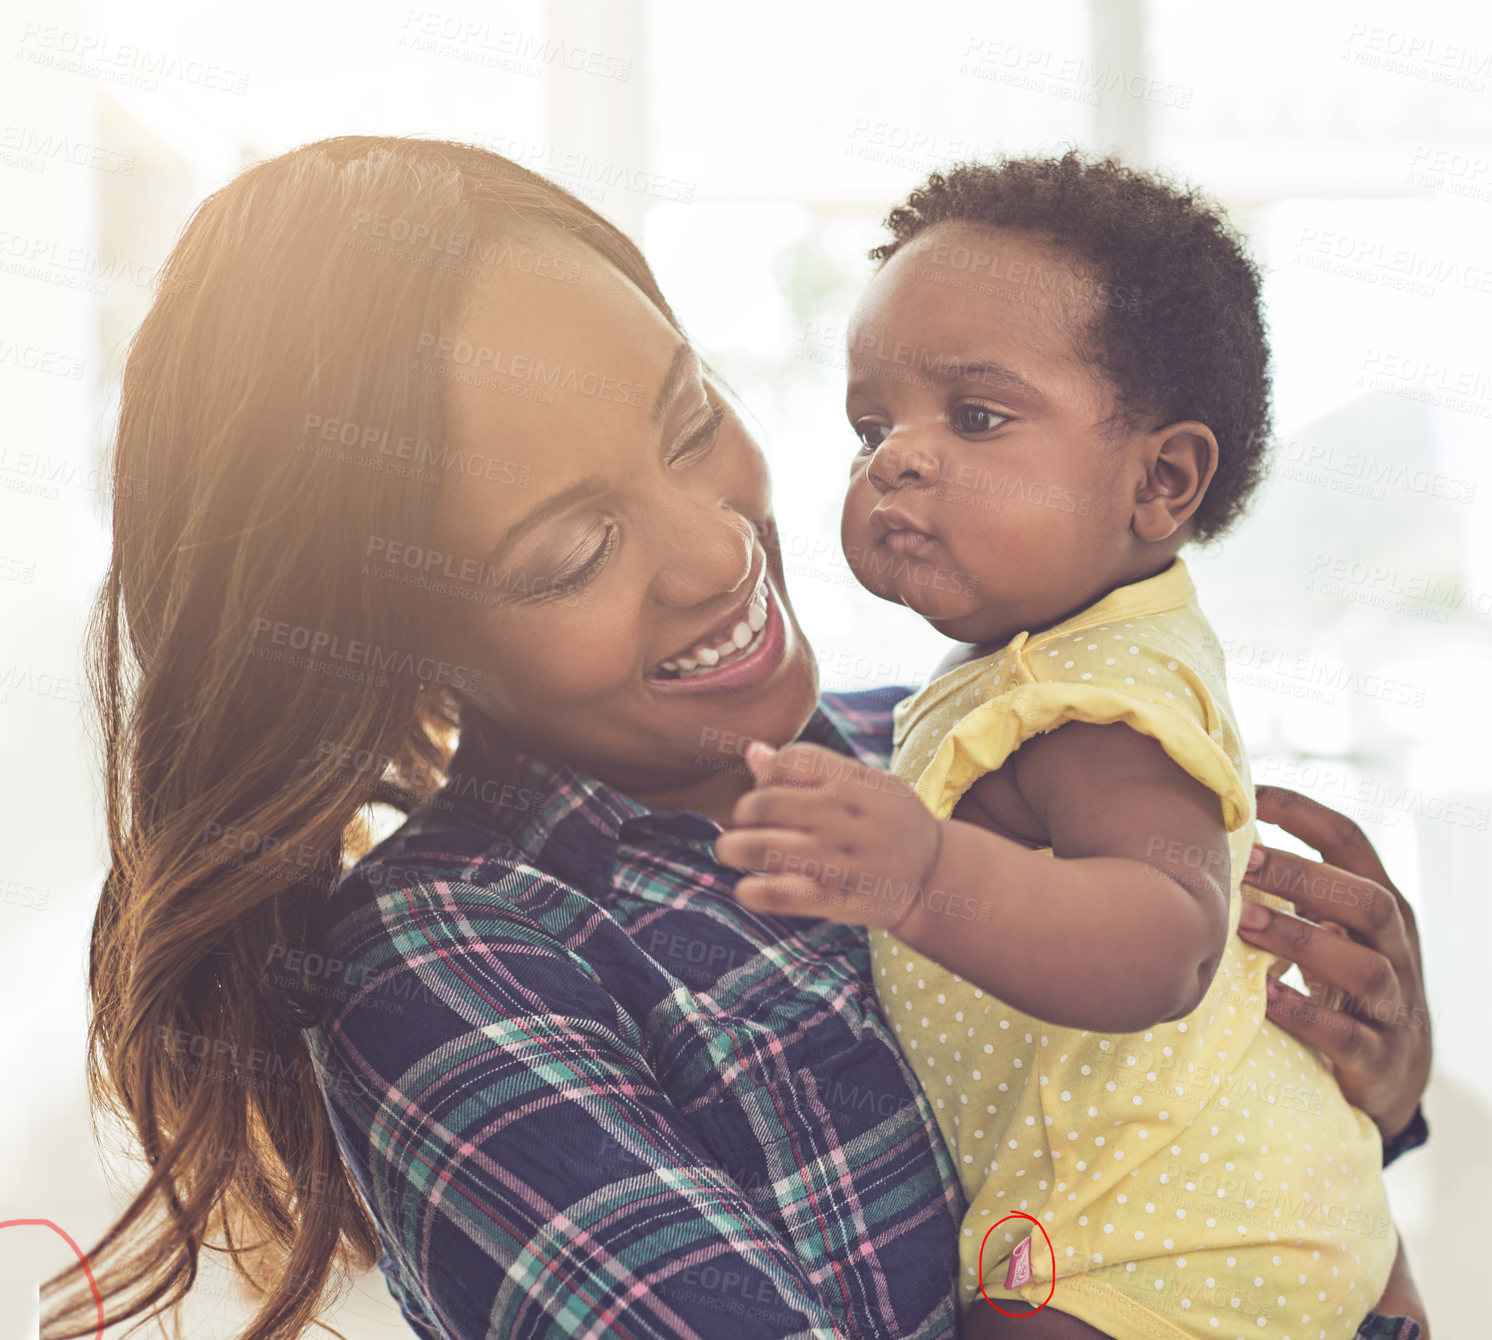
x,y
1145,688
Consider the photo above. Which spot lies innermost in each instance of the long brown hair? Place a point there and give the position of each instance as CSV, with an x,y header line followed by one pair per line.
x,y
220,668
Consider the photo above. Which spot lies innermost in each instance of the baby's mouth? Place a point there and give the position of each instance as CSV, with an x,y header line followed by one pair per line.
x,y
898,530
908,542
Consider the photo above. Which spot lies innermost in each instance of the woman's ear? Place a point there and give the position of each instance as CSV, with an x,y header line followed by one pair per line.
x,y
1179,461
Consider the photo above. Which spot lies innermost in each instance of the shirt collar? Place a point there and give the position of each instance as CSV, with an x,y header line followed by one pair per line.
x,y
565,820
1168,589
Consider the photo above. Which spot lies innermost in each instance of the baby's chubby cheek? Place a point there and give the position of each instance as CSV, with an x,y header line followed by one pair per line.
x,y
941,591
854,524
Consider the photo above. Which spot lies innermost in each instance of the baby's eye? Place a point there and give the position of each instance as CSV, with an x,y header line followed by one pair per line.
x,y
870,433
976,419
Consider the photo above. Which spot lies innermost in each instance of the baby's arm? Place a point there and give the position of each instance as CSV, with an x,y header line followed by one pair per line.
x,y
1124,929
1127,926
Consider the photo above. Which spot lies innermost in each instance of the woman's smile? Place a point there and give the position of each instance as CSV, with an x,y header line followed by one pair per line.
x,y
746,655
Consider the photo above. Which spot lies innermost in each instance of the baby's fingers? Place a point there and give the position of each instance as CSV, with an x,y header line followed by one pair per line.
x,y
768,850
786,807
799,764
788,896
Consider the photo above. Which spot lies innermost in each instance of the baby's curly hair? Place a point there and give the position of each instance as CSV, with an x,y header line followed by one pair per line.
x,y
1185,342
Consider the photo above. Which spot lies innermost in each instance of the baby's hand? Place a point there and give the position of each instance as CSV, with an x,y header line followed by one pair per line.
x,y
832,837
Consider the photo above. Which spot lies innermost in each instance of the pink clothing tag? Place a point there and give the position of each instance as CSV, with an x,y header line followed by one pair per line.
x,y
1020,1265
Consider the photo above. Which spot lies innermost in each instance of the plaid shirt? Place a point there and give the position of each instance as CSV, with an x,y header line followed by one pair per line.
x,y
584,1092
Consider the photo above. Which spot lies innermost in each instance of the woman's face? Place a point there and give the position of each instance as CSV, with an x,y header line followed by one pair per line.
x,y
622,519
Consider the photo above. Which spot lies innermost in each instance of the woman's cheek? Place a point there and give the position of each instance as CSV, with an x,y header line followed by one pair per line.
x,y
588,646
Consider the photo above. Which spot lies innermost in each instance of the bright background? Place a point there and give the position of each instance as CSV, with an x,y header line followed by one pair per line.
x,y
1352,143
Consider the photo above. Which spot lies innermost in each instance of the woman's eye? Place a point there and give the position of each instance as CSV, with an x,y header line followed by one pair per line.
x,y
701,438
871,434
976,419
578,577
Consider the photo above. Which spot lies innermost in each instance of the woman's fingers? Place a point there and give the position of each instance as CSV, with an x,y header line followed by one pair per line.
x,y
1350,1044
1333,997
1324,892
1380,1038
1329,957
1339,840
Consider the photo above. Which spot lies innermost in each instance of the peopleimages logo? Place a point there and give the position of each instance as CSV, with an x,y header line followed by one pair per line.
x,y
522,367
353,658
427,242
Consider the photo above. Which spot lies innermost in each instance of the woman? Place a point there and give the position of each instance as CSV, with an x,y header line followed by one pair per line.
x,y
531,1056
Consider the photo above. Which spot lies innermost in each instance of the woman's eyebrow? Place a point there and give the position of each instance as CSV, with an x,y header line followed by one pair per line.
x,y
684,365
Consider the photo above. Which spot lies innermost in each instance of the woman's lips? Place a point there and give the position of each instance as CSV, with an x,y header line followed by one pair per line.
x,y
745,671
728,641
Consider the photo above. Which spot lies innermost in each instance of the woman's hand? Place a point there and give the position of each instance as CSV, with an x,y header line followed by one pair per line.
x,y
1358,948
832,838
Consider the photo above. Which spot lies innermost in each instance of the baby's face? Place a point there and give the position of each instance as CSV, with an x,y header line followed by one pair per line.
x,y
986,494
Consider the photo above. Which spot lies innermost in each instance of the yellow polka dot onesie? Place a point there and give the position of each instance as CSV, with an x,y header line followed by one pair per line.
x,y
1204,1177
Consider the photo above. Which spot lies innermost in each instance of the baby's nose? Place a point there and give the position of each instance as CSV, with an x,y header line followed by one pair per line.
x,y
903,462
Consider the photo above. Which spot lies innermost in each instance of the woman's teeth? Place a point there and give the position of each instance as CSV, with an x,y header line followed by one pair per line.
x,y
741,640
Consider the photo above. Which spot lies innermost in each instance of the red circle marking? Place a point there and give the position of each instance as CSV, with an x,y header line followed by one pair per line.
x,y
87,1270
1017,1214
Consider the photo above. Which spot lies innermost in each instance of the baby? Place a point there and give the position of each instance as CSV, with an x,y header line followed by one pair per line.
x,y
1058,378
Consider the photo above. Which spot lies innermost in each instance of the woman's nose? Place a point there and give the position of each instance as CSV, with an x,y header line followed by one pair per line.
x,y
900,460
708,554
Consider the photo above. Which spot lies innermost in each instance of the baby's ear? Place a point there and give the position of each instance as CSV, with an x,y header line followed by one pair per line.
x,y
1180,461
